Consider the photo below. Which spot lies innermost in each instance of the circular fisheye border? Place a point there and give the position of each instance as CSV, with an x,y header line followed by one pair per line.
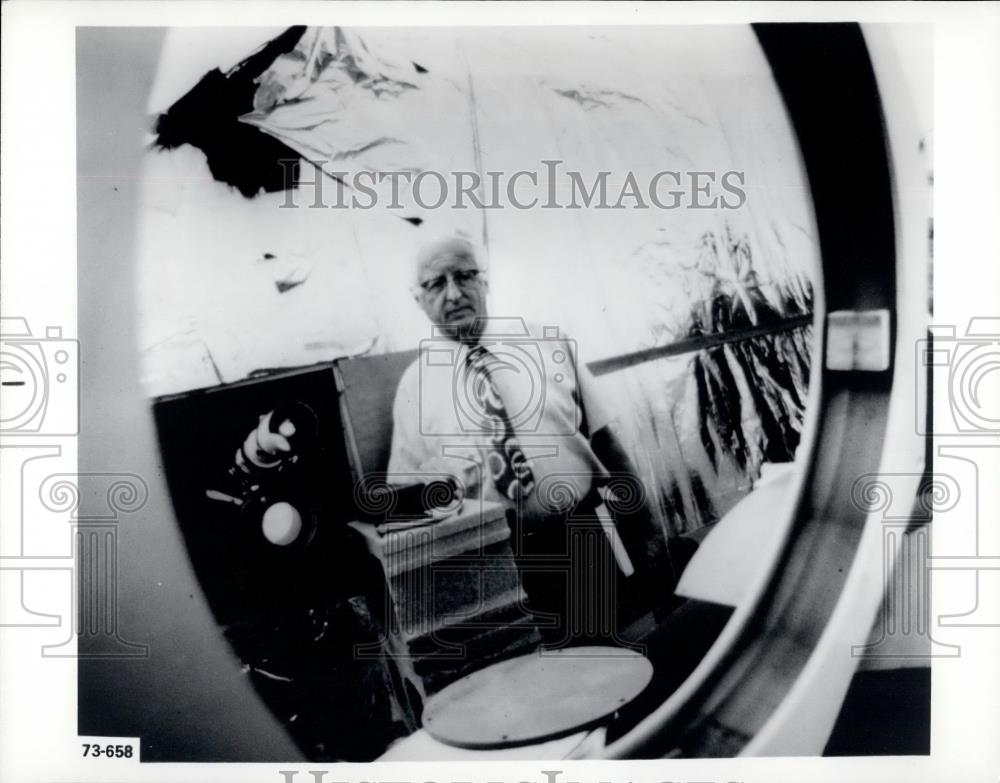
x,y
748,695
773,682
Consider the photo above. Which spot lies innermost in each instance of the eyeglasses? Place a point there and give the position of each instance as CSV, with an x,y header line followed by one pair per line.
x,y
464,279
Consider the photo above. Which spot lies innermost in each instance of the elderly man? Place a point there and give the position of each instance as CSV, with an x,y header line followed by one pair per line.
x,y
508,412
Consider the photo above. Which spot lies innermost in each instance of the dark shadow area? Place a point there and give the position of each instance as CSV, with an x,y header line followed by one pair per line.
x,y
885,712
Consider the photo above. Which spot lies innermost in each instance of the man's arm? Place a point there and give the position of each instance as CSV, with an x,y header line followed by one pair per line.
x,y
414,456
409,449
598,425
643,535
608,449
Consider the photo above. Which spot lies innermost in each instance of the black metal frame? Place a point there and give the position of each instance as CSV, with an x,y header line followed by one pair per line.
x,y
828,85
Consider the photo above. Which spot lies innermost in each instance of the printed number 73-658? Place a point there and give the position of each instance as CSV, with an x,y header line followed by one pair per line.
x,y
107,751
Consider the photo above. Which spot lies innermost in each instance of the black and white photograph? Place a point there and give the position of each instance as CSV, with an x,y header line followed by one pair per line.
x,y
449,389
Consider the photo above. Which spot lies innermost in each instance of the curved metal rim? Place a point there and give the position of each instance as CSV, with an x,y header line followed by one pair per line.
x,y
829,89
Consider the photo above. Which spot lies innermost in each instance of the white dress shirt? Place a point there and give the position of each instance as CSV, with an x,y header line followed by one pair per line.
x,y
548,396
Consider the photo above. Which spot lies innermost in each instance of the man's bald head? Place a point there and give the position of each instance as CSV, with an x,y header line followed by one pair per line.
x,y
457,247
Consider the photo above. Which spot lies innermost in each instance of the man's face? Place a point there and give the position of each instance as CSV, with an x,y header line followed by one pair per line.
x,y
452,290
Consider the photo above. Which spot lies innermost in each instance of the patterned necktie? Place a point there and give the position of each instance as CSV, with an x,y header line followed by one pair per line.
x,y
506,463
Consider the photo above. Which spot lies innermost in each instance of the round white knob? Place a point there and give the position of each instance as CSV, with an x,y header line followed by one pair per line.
x,y
282,523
